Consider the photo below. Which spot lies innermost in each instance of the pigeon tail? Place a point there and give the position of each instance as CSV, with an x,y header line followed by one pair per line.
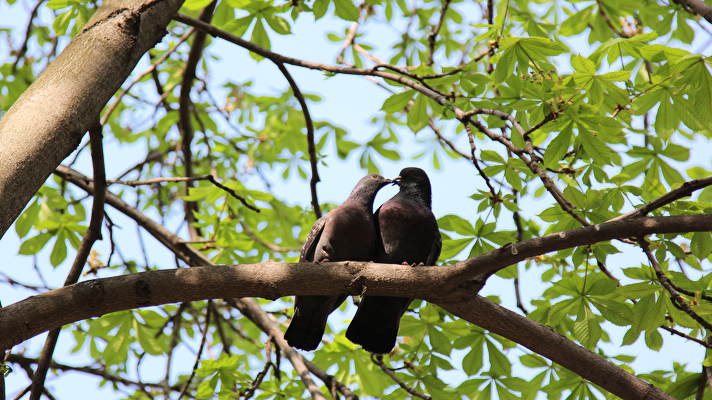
x,y
375,325
309,322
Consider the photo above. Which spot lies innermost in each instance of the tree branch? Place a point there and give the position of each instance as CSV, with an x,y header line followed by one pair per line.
x,y
378,360
432,37
103,54
310,138
547,342
185,125
677,299
698,7
27,362
92,234
209,178
149,70
200,351
686,189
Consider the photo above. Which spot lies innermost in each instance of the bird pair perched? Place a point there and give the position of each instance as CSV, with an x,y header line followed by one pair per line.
x,y
402,231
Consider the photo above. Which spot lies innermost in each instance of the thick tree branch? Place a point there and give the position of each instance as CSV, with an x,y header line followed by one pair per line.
x,y
100,58
274,279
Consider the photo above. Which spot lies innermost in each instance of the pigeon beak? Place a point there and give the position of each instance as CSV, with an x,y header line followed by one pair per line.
x,y
397,180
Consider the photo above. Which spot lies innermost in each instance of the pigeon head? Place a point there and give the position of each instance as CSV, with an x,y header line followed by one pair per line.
x,y
414,184
366,188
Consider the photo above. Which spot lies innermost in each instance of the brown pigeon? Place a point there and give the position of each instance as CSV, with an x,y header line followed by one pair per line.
x,y
348,232
409,235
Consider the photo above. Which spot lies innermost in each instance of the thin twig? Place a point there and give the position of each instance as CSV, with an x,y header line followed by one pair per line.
x,y
686,336
274,247
184,121
92,234
209,178
520,237
200,352
100,372
378,360
150,70
28,33
686,189
432,37
249,392
495,197
310,138
677,299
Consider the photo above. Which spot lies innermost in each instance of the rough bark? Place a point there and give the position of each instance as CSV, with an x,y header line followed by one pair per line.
x,y
47,122
92,298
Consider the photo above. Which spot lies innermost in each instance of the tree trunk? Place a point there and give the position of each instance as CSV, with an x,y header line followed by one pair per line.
x,y
49,119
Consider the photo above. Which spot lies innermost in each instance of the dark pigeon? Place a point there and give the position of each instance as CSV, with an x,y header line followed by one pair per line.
x,y
348,232
409,235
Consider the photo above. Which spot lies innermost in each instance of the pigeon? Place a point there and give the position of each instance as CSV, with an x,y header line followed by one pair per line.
x,y
409,235
346,233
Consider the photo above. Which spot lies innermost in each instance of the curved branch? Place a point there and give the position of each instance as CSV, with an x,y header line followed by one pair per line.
x,y
310,138
547,342
487,264
697,7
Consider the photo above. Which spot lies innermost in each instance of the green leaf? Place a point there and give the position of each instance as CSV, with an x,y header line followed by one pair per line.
x,y
418,114
59,251
457,224
439,341
596,149
345,9
499,363
472,362
34,244
196,4
397,102
558,147
147,339
260,38
701,244
583,64
27,219
451,248
653,339
278,24
616,76
319,8
206,389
